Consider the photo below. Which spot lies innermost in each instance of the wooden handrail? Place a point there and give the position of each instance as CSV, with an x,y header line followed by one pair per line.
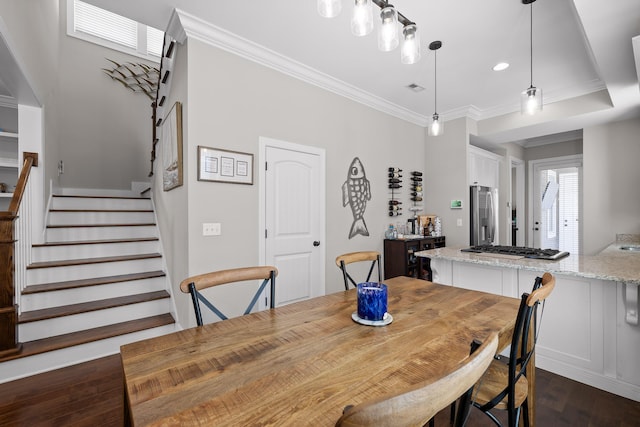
x,y
30,159
9,343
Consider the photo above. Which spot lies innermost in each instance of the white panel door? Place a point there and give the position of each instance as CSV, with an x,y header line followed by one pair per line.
x,y
293,215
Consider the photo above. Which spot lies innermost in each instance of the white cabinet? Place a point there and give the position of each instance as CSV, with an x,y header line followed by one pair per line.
x,y
494,280
484,167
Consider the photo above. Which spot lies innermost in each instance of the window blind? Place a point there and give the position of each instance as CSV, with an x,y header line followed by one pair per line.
x,y
101,23
155,39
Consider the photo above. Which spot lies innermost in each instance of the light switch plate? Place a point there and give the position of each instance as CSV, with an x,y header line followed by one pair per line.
x,y
459,222
211,229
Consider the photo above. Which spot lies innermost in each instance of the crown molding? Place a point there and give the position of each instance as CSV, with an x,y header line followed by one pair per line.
x,y
183,25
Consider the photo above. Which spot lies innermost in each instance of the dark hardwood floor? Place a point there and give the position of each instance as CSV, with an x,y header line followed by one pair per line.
x,y
91,394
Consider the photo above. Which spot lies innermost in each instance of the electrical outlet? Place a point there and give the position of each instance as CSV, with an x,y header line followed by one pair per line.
x,y
211,229
459,222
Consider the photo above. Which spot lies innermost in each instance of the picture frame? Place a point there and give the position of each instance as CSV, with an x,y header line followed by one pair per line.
x,y
219,165
171,148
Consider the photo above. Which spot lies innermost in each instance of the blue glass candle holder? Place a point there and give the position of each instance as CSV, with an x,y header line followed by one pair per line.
x,y
372,300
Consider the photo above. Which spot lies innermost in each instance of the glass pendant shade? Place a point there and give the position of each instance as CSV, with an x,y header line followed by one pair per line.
x,y
388,34
531,100
410,52
362,18
329,8
437,127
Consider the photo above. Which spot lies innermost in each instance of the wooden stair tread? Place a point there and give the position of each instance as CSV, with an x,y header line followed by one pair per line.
x,y
90,335
135,224
94,242
79,196
100,210
84,261
85,307
71,284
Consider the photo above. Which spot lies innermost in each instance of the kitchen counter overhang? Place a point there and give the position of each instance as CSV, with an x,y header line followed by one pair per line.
x,y
613,263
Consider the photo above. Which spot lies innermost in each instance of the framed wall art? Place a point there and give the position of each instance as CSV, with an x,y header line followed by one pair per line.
x,y
218,165
171,148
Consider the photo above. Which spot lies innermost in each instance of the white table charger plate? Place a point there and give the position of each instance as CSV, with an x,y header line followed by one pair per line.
x,y
388,318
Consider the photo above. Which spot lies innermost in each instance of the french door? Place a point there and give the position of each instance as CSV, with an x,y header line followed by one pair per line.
x,y
556,205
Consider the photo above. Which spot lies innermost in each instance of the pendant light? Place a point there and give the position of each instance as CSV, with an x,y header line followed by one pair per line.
x,y
531,98
329,8
437,127
362,18
410,51
388,34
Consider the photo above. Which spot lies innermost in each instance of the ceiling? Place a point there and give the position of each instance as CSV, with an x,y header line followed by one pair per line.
x,y
580,47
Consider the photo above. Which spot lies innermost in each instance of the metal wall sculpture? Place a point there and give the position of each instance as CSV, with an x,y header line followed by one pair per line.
x,y
356,192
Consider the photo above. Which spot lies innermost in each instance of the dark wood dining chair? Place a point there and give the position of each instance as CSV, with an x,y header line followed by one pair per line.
x,y
193,285
417,405
345,259
505,386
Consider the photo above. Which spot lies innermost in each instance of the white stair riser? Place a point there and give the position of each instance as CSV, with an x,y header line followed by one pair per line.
x,y
39,276
50,299
87,203
72,234
58,253
63,325
27,366
90,218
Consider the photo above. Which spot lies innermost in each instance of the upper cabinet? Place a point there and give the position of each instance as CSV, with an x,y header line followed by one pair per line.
x,y
484,167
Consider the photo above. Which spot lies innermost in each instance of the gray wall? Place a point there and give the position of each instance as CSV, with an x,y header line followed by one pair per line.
x,y
172,206
99,118
446,179
611,183
231,103
33,27
89,119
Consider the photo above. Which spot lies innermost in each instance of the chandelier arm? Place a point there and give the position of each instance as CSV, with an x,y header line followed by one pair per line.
x,y
401,18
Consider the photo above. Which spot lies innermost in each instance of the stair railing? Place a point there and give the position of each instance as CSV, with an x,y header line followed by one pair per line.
x,y
162,91
15,254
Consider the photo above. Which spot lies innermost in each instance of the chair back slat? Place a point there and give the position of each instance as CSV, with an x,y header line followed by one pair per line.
x,y
345,259
193,285
416,406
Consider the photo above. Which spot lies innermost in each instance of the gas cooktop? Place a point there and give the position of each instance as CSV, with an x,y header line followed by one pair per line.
x,y
548,254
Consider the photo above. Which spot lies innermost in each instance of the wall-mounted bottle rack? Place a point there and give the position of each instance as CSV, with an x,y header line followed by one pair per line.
x,y
416,191
395,183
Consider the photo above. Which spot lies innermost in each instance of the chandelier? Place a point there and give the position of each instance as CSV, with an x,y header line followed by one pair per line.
x,y
388,33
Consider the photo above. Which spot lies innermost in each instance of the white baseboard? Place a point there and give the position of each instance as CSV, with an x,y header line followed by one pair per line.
x,y
601,381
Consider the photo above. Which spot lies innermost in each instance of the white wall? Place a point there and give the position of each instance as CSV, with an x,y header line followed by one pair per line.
x,y
231,103
611,183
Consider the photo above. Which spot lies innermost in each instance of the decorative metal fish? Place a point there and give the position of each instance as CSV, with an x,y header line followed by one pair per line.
x,y
356,192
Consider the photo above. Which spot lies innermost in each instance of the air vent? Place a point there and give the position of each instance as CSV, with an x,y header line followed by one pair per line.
x,y
415,87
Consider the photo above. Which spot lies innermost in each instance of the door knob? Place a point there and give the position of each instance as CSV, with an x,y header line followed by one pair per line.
x,y
316,243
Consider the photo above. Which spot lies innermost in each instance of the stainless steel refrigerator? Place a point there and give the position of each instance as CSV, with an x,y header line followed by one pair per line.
x,y
484,215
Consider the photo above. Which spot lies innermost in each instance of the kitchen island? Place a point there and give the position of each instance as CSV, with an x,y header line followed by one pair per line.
x,y
590,330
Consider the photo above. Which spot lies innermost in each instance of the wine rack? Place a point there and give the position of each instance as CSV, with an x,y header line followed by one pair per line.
x,y
395,183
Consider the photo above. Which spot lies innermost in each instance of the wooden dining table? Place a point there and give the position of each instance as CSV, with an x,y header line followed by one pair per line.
x,y
302,363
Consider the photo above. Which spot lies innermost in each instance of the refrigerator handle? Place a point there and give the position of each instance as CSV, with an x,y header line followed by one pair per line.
x,y
492,228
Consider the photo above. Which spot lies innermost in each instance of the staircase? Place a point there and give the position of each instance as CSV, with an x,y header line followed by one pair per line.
x,y
97,283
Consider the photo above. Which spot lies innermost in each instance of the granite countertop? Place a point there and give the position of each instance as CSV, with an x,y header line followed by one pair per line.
x,y
610,264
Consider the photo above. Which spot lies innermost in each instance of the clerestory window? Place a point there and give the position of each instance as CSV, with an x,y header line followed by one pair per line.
x,y
96,25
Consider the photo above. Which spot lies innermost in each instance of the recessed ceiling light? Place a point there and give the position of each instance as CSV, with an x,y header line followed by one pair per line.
x,y
501,66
